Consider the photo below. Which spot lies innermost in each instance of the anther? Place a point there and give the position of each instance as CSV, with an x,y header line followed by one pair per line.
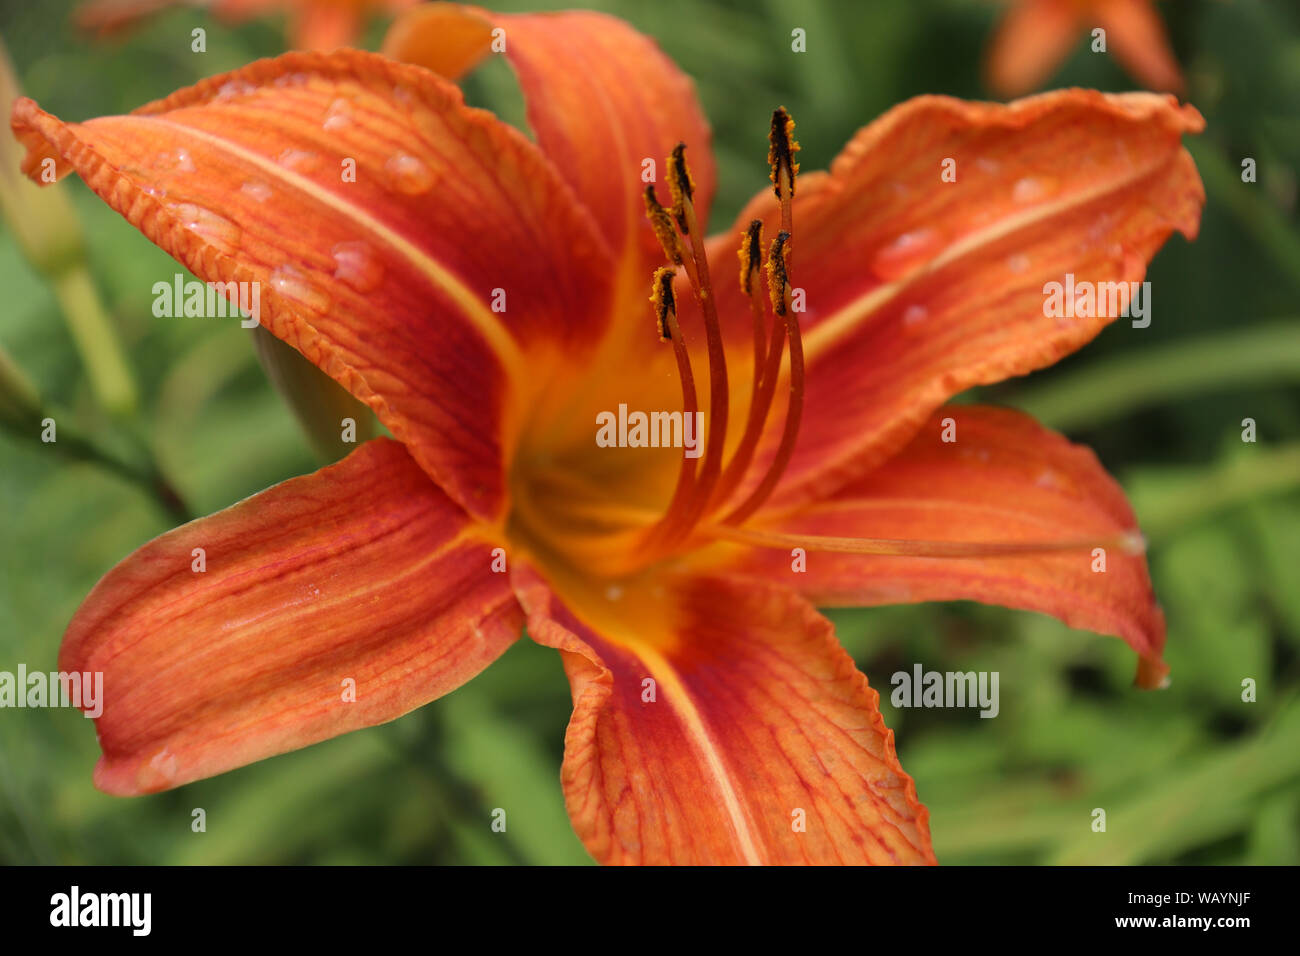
x,y
778,286
680,185
662,223
780,154
661,296
781,151
751,255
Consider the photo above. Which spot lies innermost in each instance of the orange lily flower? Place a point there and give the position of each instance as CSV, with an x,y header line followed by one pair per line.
x,y
1035,36
716,718
313,24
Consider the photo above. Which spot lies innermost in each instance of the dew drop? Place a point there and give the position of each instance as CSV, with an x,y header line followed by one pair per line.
x,y
1028,189
181,160
233,88
1018,262
357,265
408,174
292,283
257,191
905,253
1133,542
987,166
915,314
213,228
301,160
613,593
165,765
338,116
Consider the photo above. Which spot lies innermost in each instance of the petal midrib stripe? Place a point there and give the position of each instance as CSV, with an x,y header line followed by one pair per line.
x,y
836,326
492,331
680,700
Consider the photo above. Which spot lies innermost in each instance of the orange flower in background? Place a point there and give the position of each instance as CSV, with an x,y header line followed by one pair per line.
x,y
486,296
313,24
1035,36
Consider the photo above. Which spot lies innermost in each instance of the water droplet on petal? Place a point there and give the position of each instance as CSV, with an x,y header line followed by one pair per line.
x,y
1133,542
987,166
257,191
408,174
292,283
357,265
338,116
613,593
1018,262
181,161
164,766
292,79
905,253
1028,189
213,228
233,88
301,160
915,314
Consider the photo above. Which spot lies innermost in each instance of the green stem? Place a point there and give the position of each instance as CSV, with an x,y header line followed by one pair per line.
x,y
96,340
1267,471
74,446
1259,355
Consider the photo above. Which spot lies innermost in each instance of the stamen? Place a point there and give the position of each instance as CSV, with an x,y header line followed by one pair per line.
x,y
765,375
661,296
680,185
751,260
666,233
697,493
1130,542
683,188
779,289
780,157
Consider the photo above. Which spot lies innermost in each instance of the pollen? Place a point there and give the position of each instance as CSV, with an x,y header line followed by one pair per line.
x,y
781,151
751,255
661,297
662,223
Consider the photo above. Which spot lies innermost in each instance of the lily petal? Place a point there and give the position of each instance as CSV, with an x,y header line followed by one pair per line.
x,y
918,288
362,572
1004,479
1137,37
602,98
412,248
1029,43
731,729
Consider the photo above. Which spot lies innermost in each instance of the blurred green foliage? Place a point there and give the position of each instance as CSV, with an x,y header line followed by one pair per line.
x,y
1189,774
